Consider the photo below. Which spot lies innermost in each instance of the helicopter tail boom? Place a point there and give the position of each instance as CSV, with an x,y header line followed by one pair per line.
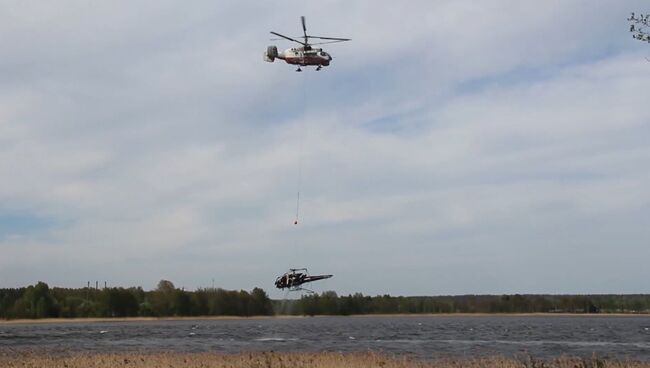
x,y
317,277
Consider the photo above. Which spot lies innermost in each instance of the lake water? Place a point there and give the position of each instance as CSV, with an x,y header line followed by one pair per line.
x,y
424,337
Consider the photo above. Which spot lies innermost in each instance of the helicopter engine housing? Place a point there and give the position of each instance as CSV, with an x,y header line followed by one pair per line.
x,y
271,53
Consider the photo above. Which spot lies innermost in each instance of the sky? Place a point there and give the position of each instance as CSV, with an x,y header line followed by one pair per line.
x,y
452,147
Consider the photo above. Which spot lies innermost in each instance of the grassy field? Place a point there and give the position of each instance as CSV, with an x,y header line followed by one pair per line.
x,y
286,360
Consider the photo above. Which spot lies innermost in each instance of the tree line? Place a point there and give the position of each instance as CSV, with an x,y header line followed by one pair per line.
x,y
329,303
41,301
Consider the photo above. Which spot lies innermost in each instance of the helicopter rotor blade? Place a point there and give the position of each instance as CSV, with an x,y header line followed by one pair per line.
x,y
304,30
325,43
331,38
288,38
277,39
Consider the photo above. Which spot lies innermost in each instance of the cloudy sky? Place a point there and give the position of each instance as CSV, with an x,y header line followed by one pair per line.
x,y
450,148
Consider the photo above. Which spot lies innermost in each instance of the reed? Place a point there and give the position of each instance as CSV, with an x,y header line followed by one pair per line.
x,y
289,360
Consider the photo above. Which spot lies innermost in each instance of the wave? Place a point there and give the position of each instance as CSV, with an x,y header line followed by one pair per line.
x,y
277,339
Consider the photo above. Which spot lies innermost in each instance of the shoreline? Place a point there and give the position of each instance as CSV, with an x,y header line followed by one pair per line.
x,y
234,318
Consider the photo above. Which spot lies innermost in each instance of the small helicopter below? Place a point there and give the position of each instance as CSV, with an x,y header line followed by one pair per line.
x,y
304,55
293,280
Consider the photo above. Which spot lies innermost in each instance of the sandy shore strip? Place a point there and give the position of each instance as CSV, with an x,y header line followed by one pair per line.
x,y
135,319
226,318
286,360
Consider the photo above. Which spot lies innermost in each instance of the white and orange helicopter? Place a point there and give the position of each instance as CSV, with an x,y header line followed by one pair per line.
x,y
304,55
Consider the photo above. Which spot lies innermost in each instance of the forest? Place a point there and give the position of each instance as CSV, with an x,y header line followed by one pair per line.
x,y
41,301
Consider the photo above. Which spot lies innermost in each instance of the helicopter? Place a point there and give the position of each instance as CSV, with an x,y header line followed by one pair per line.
x,y
294,279
304,55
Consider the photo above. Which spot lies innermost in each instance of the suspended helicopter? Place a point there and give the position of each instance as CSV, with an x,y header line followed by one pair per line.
x,y
304,55
293,280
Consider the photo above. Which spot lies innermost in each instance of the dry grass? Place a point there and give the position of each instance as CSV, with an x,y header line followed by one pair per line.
x,y
286,360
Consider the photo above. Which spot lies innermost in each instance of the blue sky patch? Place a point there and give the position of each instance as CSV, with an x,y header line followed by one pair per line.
x,y
22,223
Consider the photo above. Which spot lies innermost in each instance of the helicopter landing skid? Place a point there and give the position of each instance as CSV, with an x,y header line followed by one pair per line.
x,y
304,289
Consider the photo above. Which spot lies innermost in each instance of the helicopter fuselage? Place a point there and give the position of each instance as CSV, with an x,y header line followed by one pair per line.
x,y
299,56
302,57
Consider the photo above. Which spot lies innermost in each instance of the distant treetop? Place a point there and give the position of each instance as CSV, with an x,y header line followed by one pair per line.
x,y
639,26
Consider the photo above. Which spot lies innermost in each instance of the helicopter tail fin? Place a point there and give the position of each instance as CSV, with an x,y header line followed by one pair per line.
x,y
270,54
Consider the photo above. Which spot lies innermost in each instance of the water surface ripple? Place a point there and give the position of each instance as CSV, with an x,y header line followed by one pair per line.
x,y
423,337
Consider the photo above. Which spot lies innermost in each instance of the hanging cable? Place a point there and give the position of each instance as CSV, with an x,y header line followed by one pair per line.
x,y
300,147
295,222
299,182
